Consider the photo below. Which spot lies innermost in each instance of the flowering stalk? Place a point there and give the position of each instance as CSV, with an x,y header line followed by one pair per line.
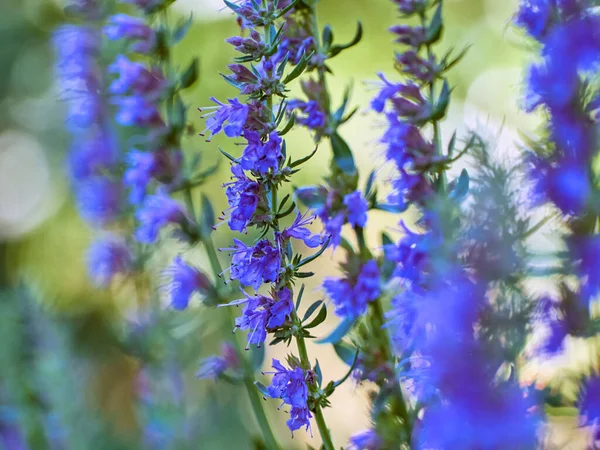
x,y
562,163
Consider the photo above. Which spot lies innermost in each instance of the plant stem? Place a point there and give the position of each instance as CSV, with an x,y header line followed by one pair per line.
x,y
323,430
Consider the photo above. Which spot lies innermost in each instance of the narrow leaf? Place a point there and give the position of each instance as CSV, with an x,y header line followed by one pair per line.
x,y
311,309
342,155
336,49
262,388
319,319
339,332
345,351
190,75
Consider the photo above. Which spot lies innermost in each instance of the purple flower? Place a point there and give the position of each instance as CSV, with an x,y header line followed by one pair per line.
x,y
107,258
91,155
261,313
133,77
264,80
410,7
290,386
185,281
253,266
155,213
411,63
351,296
215,366
411,254
357,208
138,111
411,36
333,227
122,26
313,116
99,200
243,196
534,16
261,157
299,231
235,114
585,254
142,167
365,440
589,401
252,45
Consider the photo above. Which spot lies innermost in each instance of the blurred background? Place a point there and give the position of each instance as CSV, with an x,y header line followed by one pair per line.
x,y
66,373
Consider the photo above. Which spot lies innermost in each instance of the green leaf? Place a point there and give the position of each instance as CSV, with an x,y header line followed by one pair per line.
x,y
257,357
262,388
339,332
288,126
451,145
442,102
297,71
299,300
337,116
342,155
208,214
311,309
311,196
231,5
461,186
327,36
190,75
319,373
389,208
303,160
319,319
370,182
178,114
336,49
345,351
182,28
228,156
434,31
386,239
314,256
352,365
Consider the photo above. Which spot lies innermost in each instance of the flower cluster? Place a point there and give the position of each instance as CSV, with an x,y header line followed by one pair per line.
x,y
290,386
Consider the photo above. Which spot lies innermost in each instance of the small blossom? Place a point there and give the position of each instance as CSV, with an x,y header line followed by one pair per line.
x,y
99,200
365,440
122,26
261,157
138,111
107,258
185,281
412,36
313,117
589,401
252,45
357,208
243,197
133,77
290,386
91,155
214,366
299,231
235,114
155,213
255,265
351,296
143,167
534,16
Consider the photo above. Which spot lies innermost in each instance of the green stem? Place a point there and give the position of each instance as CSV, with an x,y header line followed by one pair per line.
x,y
323,430
259,413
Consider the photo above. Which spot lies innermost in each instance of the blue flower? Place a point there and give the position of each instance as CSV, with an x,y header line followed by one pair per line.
x,y
261,157
99,200
313,116
585,254
137,111
589,400
255,265
143,167
155,213
365,440
261,313
234,113
107,258
243,196
351,296
357,208
185,281
290,386
534,16
215,366
333,226
133,77
122,26
91,155
299,231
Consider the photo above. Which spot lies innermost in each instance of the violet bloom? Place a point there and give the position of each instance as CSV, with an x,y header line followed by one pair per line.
x,y
155,213
299,231
365,440
243,197
122,26
290,386
255,265
134,77
137,111
333,227
351,296
107,258
262,157
99,200
143,167
91,155
357,208
312,116
252,45
185,281
585,254
214,366
261,313
589,401
534,17
235,114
